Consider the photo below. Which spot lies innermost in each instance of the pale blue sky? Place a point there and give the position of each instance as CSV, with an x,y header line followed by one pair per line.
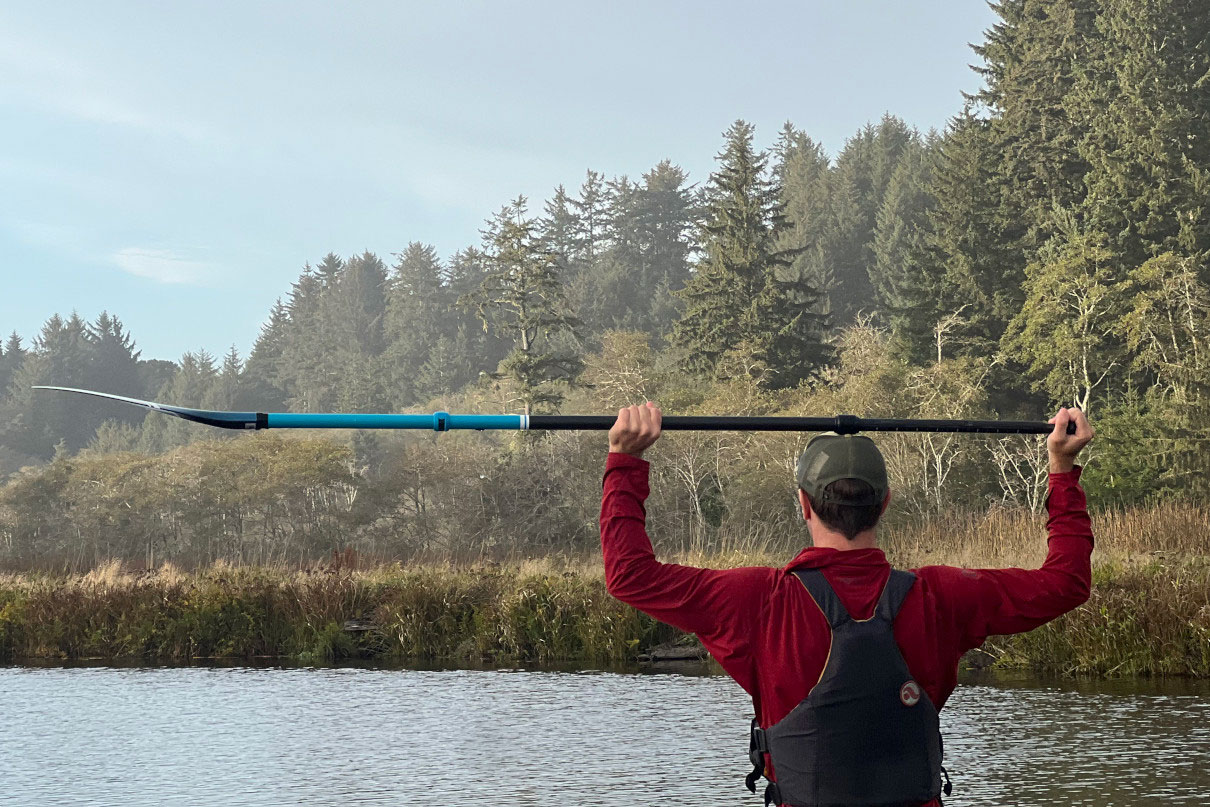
x,y
177,163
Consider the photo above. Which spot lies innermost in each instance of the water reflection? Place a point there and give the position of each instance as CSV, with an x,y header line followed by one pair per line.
x,y
257,736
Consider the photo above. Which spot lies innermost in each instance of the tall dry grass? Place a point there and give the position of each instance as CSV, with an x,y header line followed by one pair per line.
x,y
1149,612
995,538
536,611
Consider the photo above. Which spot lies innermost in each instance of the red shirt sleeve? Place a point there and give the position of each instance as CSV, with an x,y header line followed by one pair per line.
x,y
984,602
722,607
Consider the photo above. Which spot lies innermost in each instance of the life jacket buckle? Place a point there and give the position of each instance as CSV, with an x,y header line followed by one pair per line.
x,y
758,746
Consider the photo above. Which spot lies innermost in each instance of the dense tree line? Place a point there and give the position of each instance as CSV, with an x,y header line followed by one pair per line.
x,y
1049,247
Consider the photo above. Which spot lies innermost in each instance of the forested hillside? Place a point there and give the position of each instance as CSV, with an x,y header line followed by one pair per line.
x,y
1049,247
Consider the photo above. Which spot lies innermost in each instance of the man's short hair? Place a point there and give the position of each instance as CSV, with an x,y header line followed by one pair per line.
x,y
840,515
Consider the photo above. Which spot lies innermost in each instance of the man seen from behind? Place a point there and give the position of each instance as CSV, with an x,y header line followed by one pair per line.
x,y
847,660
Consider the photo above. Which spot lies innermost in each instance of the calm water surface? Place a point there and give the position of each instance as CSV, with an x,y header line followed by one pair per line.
x,y
273,736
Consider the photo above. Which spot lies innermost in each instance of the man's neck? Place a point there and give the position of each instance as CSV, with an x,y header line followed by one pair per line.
x,y
825,538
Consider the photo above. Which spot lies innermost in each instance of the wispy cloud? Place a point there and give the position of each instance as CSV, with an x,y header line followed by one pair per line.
x,y
46,78
163,266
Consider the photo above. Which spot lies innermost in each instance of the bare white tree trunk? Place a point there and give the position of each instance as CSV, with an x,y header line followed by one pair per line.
x,y
1022,469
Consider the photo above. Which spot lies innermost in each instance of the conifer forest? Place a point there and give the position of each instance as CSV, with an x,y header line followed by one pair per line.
x,y
1050,247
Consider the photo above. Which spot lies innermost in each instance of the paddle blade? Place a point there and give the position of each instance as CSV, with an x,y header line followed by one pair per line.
x,y
223,420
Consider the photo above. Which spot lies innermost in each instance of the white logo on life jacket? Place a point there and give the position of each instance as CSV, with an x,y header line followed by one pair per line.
x,y
909,693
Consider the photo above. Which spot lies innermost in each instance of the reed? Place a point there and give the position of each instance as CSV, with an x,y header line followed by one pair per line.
x,y
1149,613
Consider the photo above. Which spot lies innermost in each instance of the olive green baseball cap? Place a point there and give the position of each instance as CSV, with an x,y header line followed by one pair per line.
x,y
832,456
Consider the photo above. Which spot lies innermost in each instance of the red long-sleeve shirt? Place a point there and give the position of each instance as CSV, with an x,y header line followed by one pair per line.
x,y
759,622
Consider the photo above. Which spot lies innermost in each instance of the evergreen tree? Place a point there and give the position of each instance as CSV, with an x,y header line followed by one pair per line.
x,y
259,390
859,184
12,359
228,385
467,270
579,261
353,319
1030,60
307,371
417,312
195,385
112,436
475,350
445,367
607,289
12,356
663,217
909,294
590,220
335,326
739,300
114,368
971,239
37,421
892,138
329,270
155,375
641,253
802,170
621,222
522,299
360,304
1143,103
560,227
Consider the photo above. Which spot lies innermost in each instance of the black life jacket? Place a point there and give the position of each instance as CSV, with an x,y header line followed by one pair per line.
x,y
867,734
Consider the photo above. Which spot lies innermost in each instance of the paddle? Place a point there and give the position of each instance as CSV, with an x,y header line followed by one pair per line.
x,y
444,421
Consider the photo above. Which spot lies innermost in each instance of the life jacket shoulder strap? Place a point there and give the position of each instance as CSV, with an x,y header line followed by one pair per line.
x,y
824,595
894,593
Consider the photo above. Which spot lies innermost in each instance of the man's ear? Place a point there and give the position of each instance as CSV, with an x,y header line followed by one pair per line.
x,y
885,503
805,504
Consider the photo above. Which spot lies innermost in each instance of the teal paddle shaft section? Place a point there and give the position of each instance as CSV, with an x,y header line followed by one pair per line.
x,y
437,421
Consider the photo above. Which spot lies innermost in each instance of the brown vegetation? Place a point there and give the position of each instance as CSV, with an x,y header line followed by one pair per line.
x,y
1149,612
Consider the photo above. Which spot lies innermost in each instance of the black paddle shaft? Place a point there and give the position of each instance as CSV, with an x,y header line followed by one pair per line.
x,y
841,424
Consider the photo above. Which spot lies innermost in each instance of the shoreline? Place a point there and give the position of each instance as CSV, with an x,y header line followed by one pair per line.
x,y
995,678
1146,617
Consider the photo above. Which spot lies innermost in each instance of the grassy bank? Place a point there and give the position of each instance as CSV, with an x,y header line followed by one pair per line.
x,y
1145,618
531,612
1149,613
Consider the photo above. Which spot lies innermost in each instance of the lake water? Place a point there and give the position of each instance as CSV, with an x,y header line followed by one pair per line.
x,y
352,736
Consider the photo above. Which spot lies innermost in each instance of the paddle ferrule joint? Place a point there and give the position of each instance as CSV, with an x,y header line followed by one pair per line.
x,y
524,423
848,424
441,421
262,421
